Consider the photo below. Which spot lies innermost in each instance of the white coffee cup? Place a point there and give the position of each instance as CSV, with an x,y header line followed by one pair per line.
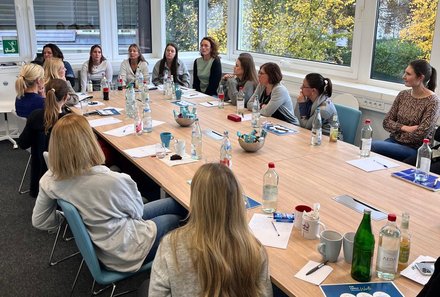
x,y
311,226
348,246
299,210
330,245
179,147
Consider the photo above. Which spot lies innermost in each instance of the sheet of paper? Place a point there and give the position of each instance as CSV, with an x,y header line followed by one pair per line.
x,y
121,131
316,277
372,163
261,226
213,134
193,95
104,121
91,103
213,103
185,160
413,273
143,151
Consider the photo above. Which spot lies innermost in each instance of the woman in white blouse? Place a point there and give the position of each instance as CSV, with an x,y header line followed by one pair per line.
x,y
95,68
135,62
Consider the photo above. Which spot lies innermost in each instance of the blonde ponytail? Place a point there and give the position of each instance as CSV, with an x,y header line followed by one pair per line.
x,y
29,74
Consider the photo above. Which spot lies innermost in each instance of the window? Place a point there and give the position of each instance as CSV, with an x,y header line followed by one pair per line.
x,y
182,24
72,25
404,32
216,22
131,27
8,29
314,30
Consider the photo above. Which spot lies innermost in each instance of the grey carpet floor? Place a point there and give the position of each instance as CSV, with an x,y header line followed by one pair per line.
x,y
24,250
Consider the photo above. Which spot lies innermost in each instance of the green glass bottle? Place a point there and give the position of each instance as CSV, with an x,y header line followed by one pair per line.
x,y
363,250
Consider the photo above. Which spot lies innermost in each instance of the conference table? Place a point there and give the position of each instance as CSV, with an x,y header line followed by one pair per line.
x,y
308,174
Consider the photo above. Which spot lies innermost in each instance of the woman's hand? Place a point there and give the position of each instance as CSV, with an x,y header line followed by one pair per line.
x,y
41,91
227,76
301,98
409,129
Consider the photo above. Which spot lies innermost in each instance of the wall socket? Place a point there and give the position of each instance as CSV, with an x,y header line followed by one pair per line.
x,y
372,104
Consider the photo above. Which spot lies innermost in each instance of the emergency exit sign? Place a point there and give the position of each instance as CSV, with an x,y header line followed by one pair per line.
x,y
10,46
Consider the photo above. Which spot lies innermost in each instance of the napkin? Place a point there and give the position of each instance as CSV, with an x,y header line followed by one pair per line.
x,y
185,160
316,277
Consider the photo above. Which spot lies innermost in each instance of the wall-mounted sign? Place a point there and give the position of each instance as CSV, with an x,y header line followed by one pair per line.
x,y
10,46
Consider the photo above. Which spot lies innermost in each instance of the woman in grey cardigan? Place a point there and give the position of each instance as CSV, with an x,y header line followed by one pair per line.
x,y
274,98
315,91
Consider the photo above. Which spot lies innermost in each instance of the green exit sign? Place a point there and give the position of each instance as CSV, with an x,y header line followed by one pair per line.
x,y
10,46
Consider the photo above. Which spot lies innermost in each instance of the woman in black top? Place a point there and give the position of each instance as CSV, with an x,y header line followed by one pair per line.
x,y
38,126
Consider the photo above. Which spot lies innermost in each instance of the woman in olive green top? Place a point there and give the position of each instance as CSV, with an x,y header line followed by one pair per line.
x,y
207,69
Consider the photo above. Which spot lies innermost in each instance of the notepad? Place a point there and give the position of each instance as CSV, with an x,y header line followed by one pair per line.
x,y
372,163
413,273
408,175
262,228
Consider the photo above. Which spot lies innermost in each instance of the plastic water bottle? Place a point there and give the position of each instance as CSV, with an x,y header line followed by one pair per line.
x,y
90,86
104,87
270,189
139,79
423,165
145,92
317,128
388,249
240,101
255,113
138,121
147,120
165,82
130,102
196,141
405,242
366,139
334,129
221,96
363,250
226,150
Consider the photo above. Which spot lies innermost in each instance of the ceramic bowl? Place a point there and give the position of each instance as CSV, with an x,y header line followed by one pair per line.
x,y
184,122
251,147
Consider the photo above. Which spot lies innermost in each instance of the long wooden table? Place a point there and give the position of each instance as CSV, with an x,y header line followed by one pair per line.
x,y
308,174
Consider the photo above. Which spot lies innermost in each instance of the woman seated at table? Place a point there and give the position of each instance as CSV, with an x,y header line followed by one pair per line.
x,y
170,64
95,68
124,230
51,50
274,98
207,69
135,62
54,68
244,76
315,92
215,253
30,89
38,128
413,115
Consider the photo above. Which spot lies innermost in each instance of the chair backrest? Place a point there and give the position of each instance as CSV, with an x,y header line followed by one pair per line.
x,y
82,238
346,100
21,121
348,121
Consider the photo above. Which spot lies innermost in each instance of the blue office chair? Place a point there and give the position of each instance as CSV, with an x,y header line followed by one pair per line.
x,y
99,273
348,121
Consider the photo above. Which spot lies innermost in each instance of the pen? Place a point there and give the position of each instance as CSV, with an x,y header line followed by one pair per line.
x,y
276,230
209,103
215,132
374,160
427,262
436,181
280,128
316,267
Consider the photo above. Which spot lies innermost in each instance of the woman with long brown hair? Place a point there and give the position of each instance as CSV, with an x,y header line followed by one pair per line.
x,y
207,69
214,254
38,127
135,62
95,68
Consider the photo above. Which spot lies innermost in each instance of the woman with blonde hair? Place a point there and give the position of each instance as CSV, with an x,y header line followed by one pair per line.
x,y
214,254
54,68
38,127
135,62
124,230
30,90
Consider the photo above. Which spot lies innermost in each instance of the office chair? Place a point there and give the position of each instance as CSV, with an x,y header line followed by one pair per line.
x,y
21,123
349,121
347,100
99,273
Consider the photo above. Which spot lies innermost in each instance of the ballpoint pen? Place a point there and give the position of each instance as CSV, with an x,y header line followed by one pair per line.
x,y
209,103
215,132
436,181
276,230
382,164
316,267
